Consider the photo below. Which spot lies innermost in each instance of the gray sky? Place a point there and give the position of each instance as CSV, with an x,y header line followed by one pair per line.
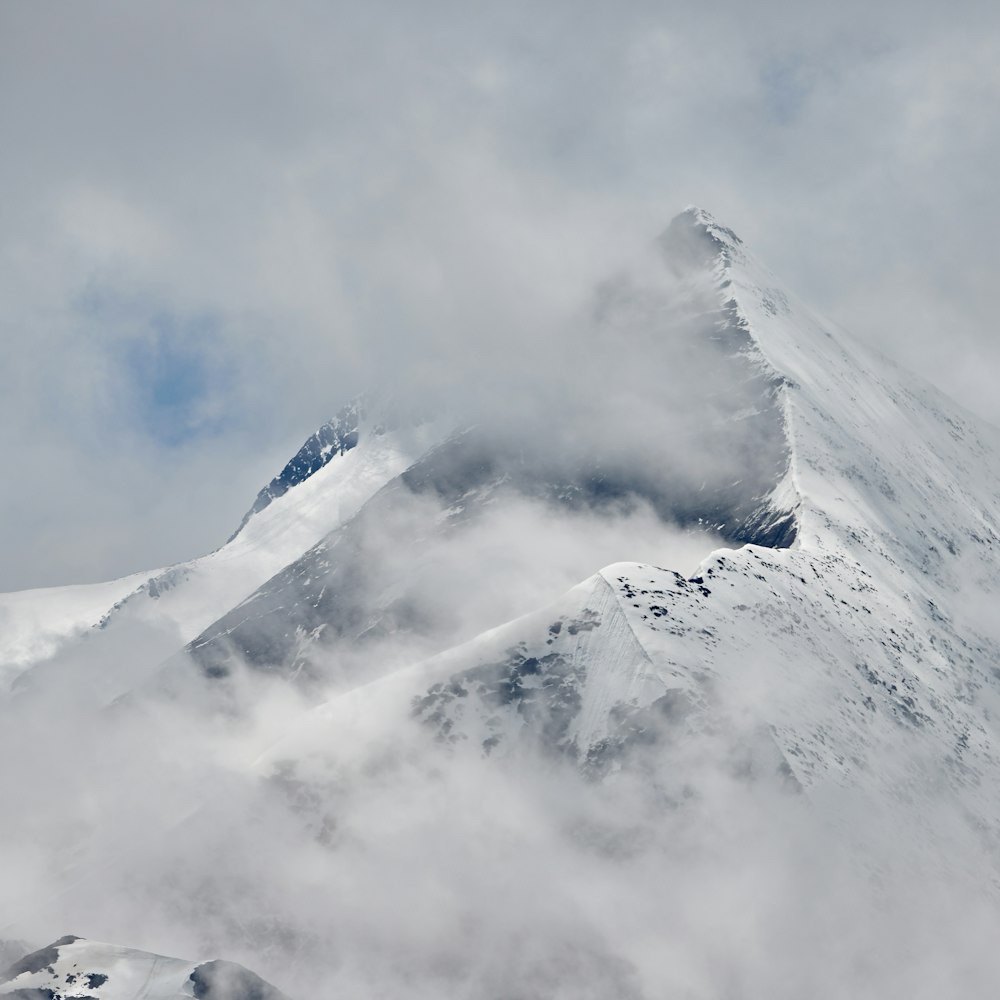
x,y
221,220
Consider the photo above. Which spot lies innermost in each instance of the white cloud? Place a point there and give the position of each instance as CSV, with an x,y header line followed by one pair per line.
x,y
339,186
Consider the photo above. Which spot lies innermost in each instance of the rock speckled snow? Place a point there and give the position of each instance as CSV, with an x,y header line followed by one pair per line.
x,y
75,969
853,644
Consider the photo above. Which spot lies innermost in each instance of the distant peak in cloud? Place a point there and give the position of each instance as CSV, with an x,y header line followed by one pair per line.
x,y
696,240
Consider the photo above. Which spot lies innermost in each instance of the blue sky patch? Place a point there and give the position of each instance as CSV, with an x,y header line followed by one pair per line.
x,y
178,378
173,374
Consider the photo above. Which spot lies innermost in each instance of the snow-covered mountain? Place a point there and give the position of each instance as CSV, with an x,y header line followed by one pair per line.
x,y
864,654
328,593
72,968
386,736
334,473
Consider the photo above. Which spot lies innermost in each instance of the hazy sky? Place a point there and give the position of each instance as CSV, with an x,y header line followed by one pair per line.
x,y
221,220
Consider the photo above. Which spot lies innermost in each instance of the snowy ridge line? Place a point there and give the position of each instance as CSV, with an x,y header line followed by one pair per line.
x,y
775,522
370,414
338,435
840,601
187,597
34,624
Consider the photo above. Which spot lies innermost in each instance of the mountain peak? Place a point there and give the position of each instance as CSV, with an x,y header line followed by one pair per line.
x,y
695,241
704,219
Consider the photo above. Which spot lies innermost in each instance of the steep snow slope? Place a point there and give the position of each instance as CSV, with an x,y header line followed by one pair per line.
x,y
616,452
403,568
864,658
194,594
316,494
334,438
75,968
35,623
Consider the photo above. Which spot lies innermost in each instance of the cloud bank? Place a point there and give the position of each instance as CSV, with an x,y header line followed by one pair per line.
x,y
222,223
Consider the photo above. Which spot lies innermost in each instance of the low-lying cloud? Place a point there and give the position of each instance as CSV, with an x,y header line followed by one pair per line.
x,y
382,862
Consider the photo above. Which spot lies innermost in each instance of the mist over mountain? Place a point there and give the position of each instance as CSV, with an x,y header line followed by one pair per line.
x,y
649,653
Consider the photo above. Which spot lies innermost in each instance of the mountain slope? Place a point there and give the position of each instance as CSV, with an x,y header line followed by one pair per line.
x,y
865,652
35,623
174,604
72,967
565,458
773,776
